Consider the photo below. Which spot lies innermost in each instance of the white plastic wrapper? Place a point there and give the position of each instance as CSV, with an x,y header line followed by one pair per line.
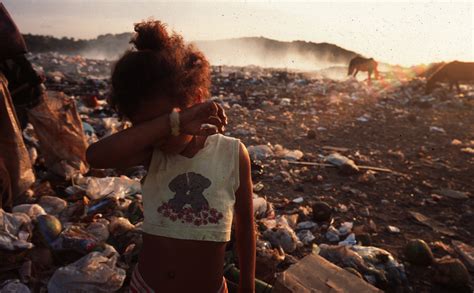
x,y
15,229
32,210
95,272
117,187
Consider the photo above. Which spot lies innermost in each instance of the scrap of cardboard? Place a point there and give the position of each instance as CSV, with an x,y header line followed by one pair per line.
x,y
315,274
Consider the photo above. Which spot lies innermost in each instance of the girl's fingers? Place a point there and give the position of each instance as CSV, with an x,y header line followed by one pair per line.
x,y
208,129
211,113
221,114
215,121
214,108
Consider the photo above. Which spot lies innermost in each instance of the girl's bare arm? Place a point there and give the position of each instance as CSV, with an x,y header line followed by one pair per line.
x,y
130,147
245,227
134,145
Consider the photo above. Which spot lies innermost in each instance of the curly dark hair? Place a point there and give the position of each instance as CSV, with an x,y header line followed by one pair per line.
x,y
160,66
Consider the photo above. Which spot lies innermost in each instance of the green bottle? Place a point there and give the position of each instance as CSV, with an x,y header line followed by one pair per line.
x,y
232,274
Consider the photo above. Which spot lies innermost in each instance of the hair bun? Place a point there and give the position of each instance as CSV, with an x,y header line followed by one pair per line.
x,y
150,35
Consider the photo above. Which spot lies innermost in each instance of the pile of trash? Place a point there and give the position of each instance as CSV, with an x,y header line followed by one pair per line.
x,y
73,75
88,236
346,170
324,197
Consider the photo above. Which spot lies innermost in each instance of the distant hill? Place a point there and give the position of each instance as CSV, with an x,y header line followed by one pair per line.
x,y
109,46
239,51
271,53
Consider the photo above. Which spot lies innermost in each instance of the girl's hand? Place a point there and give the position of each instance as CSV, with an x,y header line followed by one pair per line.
x,y
203,119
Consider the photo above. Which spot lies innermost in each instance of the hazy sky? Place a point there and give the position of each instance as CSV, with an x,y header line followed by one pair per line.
x,y
402,32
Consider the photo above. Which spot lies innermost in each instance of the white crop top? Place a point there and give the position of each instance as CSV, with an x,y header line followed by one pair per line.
x,y
193,198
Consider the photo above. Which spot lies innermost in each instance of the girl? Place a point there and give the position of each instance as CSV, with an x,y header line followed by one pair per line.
x,y
197,178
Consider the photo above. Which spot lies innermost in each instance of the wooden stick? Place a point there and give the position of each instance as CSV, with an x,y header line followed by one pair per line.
x,y
360,167
311,164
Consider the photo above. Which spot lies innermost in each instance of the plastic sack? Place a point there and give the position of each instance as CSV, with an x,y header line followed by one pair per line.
x,y
12,148
262,208
32,210
15,229
281,235
376,265
52,204
14,286
95,272
112,125
99,229
291,155
117,187
75,238
260,152
382,260
59,130
306,236
120,225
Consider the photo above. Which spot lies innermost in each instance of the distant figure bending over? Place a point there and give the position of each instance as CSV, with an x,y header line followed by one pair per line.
x,y
16,172
453,73
363,64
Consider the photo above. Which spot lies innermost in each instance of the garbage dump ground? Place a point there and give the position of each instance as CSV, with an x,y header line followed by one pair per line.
x,y
376,179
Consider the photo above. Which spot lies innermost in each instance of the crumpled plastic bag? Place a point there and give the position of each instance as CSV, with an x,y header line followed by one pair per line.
x,y
52,204
280,234
350,240
113,125
14,286
376,265
120,225
15,229
291,155
99,230
95,272
59,129
260,152
32,210
262,208
75,238
117,187
382,260
306,236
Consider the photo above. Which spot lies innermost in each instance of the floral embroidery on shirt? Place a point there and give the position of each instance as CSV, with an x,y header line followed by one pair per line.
x,y
189,204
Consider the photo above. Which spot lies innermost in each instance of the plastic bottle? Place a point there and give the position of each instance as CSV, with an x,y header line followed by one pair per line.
x,y
232,273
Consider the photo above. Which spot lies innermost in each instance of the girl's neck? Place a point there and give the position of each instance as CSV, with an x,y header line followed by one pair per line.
x,y
193,146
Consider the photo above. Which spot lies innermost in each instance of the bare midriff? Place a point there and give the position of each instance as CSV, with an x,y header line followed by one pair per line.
x,y
175,265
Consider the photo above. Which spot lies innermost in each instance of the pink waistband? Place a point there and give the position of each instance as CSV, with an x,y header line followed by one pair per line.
x,y
138,285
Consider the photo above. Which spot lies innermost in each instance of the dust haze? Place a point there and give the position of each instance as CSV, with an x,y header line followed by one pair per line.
x,y
325,59
240,53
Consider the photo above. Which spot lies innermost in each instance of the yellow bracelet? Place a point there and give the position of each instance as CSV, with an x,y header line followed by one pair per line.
x,y
174,122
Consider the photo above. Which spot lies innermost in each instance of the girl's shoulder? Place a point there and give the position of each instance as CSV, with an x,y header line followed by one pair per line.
x,y
228,145
222,139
